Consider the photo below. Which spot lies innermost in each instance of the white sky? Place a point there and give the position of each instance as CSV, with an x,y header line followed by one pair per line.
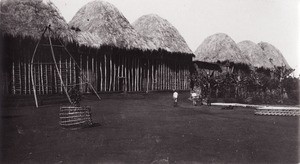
x,y
273,21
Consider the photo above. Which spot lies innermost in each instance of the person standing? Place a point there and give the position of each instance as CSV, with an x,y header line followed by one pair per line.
x,y
175,98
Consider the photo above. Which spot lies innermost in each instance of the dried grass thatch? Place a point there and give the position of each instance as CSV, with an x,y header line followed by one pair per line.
x,y
28,18
161,33
255,54
108,23
273,54
219,47
87,39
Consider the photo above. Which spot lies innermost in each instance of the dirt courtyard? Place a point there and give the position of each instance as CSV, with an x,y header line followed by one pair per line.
x,y
148,129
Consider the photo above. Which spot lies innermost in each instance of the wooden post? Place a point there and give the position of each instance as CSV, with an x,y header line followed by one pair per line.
x,y
59,72
19,77
164,76
136,74
80,73
13,78
46,79
75,81
101,76
87,73
31,68
53,57
119,70
25,77
114,75
29,85
51,79
71,72
105,73
126,76
110,72
39,78
96,72
152,75
160,75
55,81
132,75
148,76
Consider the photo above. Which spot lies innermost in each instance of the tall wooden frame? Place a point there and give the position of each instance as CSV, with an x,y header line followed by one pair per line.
x,y
48,29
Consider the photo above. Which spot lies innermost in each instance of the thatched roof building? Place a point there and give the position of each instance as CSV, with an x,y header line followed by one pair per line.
x,y
219,47
161,33
273,54
255,54
108,24
29,18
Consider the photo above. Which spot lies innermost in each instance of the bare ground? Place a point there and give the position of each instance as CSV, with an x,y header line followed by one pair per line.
x,y
148,129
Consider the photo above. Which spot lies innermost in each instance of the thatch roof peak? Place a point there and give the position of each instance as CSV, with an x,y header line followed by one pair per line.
x,y
108,23
219,47
162,33
30,17
255,54
273,54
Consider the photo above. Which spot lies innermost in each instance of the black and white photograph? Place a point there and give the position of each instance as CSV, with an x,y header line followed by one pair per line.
x,y
149,81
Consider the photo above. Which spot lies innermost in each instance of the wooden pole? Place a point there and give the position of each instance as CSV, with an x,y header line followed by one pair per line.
x,y
70,72
53,57
46,79
31,69
132,75
152,75
119,74
80,72
29,87
115,72
19,77
42,78
125,69
105,73
25,77
110,72
64,73
39,77
101,77
13,78
148,76
96,72
136,74
129,75
88,78
55,81
60,71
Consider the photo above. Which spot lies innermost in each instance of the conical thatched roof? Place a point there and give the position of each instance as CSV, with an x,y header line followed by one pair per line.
x,y
30,17
108,23
88,39
161,33
219,47
271,52
255,54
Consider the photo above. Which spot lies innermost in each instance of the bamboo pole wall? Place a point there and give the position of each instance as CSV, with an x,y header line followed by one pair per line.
x,y
107,70
104,74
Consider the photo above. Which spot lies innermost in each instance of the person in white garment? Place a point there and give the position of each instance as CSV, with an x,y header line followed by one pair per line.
x,y
175,98
194,98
